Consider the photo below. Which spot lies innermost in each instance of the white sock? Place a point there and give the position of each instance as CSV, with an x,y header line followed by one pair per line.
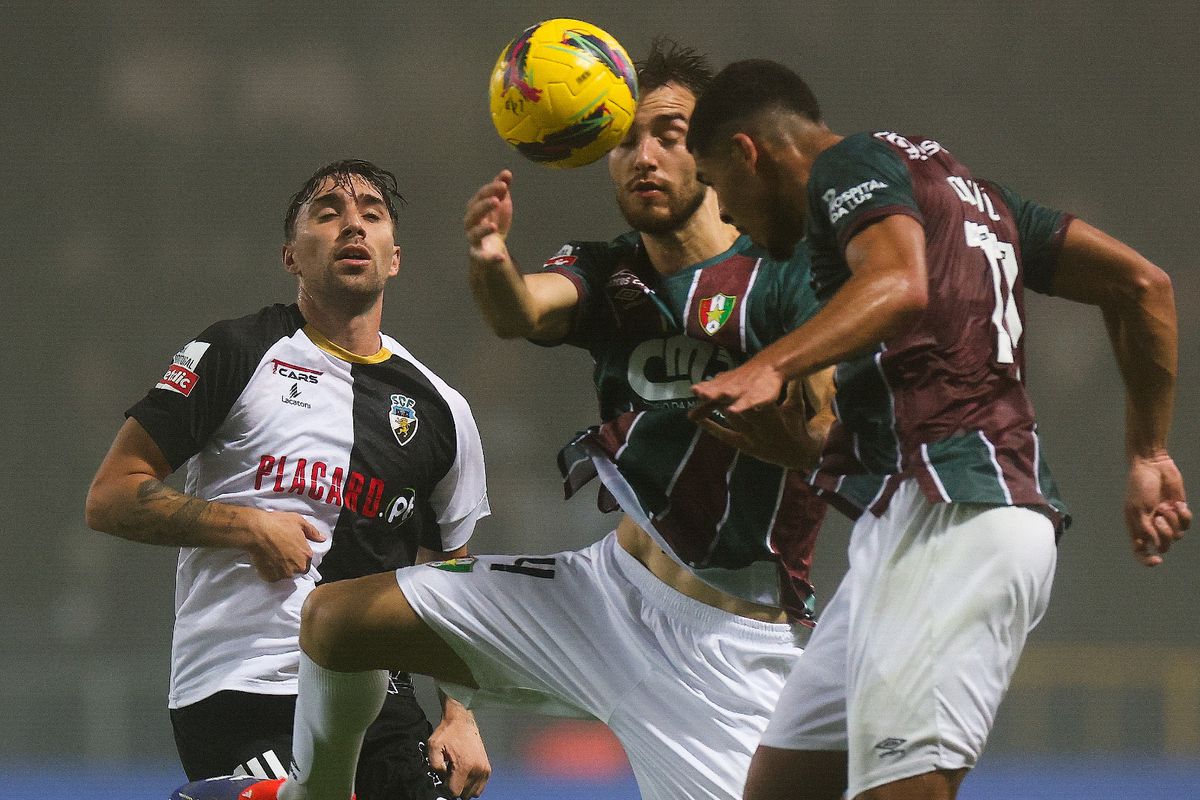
x,y
332,714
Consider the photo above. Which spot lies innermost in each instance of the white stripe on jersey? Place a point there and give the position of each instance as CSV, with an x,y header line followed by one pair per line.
x,y
937,479
999,471
746,304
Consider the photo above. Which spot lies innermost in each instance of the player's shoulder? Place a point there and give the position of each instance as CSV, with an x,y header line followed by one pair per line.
x,y
442,387
254,331
583,254
886,151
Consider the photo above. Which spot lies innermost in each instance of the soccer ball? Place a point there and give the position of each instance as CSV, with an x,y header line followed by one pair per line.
x,y
563,93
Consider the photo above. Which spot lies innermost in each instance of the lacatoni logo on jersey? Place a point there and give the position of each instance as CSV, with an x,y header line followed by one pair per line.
x,y
403,416
842,203
181,376
714,311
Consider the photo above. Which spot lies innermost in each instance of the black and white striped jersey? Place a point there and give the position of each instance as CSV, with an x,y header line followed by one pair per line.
x,y
380,453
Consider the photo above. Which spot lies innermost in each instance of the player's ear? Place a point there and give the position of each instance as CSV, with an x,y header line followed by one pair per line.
x,y
745,151
289,259
397,256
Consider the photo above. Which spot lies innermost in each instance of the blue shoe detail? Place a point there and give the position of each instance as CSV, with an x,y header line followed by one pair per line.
x,y
224,788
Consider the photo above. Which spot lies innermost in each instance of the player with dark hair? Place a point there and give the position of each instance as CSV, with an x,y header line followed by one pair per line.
x,y
678,629
318,449
920,267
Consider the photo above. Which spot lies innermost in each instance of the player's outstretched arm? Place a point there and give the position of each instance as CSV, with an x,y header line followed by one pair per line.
x,y
537,306
128,499
1138,304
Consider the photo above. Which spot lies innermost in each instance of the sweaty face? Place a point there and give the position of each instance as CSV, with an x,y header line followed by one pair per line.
x,y
750,198
652,170
344,249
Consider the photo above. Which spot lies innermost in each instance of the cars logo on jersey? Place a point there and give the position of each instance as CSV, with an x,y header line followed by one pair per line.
x,y
181,376
403,416
715,311
293,372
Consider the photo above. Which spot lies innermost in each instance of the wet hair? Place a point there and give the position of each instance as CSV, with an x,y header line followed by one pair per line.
x,y
671,62
742,91
343,174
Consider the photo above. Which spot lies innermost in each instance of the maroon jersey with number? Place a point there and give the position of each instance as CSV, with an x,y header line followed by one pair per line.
x,y
945,402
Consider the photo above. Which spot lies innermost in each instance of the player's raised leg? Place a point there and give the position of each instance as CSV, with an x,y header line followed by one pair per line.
x,y
352,633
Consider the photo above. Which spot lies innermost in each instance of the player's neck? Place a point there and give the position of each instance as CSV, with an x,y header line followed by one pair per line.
x,y
356,331
701,238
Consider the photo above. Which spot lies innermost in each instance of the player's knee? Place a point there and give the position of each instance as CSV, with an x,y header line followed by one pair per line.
x,y
322,625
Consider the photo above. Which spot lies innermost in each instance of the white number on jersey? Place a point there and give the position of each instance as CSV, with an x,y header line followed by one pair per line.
x,y
1002,259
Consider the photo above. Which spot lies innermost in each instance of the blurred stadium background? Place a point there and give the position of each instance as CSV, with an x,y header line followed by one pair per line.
x,y
149,150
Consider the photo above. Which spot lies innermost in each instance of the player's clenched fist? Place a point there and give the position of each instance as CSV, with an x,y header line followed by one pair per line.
x,y
280,546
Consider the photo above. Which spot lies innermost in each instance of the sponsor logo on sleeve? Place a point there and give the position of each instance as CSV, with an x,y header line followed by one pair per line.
x,y
842,203
403,416
715,312
560,261
181,376
565,257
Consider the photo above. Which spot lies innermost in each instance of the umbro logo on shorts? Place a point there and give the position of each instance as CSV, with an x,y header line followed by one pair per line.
x,y
890,747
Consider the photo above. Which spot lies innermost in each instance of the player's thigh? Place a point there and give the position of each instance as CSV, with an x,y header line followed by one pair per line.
x,y
235,732
937,635
556,634
940,784
368,623
779,774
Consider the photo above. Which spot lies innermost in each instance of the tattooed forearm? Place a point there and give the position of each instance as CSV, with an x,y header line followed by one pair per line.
x,y
166,516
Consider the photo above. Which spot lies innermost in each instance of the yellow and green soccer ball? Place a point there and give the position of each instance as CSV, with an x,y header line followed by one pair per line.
x,y
563,93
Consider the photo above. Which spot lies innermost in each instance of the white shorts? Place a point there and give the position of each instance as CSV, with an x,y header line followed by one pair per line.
x,y
910,659
685,687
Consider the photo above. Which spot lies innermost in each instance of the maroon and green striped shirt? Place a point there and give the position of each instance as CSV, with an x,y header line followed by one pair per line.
x,y
740,524
944,403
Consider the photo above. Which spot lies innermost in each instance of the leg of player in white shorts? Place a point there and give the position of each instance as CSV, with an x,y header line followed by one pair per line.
x,y
914,652
685,687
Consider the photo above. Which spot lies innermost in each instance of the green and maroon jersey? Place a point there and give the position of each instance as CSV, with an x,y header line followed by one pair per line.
x,y
741,525
945,402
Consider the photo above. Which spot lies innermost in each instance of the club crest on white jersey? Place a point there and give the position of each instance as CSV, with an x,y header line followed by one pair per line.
x,y
403,416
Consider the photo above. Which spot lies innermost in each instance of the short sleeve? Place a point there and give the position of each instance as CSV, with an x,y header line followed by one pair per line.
x,y
1041,231
193,396
206,377
587,265
459,499
857,182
